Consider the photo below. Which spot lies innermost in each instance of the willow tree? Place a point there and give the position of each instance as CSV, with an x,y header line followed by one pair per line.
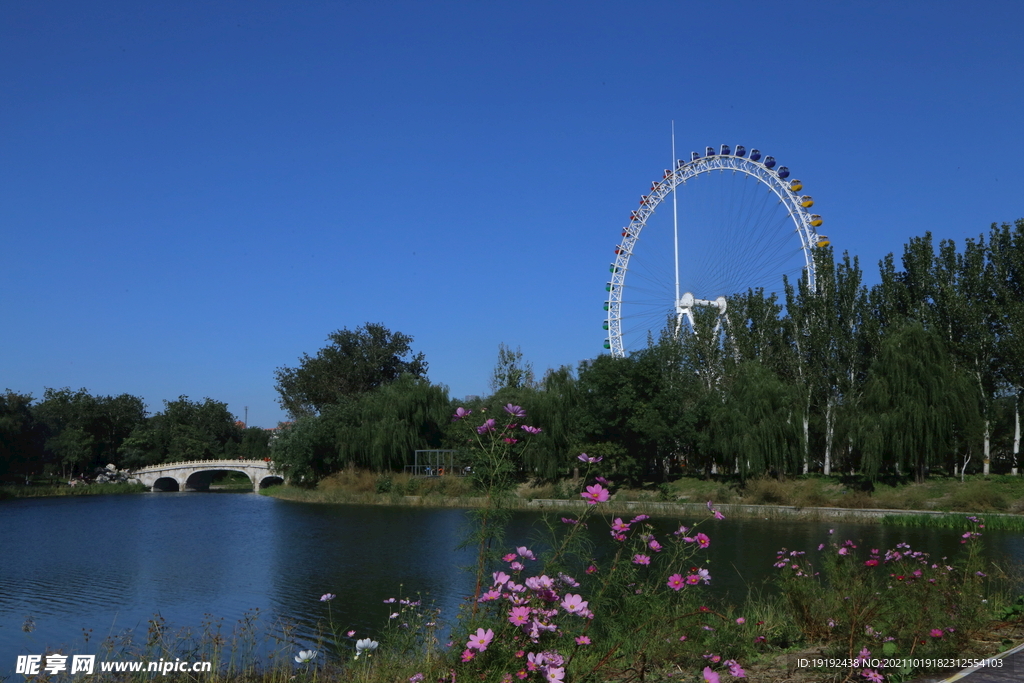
x,y
916,404
756,425
394,420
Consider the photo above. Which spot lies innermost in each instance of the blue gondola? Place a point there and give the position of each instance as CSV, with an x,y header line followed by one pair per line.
x,y
694,156
709,151
769,162
741,151
725,150
783,172
755,155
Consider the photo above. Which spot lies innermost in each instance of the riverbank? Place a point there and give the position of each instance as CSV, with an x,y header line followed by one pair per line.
x,y
661,509
51,491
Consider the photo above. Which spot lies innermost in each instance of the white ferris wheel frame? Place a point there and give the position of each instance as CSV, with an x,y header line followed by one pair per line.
x,y
684,171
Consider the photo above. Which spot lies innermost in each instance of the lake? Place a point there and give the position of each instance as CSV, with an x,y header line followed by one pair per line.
x,y
109,563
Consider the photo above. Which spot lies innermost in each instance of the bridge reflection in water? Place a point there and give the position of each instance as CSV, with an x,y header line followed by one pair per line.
x,y
196,475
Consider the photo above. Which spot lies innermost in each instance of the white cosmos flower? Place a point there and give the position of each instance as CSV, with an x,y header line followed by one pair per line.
x,y
305,656
365,644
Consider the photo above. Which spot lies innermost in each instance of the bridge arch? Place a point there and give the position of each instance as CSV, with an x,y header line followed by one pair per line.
x,y
271,480
165,484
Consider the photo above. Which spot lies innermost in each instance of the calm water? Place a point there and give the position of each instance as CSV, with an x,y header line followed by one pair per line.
x,y
109,563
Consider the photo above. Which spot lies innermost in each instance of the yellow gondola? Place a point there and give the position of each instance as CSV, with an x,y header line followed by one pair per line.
x,y
822,241
795,185
806,202
816,220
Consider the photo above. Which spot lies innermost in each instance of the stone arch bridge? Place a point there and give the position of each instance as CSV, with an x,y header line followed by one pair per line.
x,y
196,475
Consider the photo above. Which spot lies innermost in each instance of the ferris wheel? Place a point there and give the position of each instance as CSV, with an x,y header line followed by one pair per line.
x,y
738,222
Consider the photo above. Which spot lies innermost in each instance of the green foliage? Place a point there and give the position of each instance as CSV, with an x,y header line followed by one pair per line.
x,y
354,363
916,404
21,437
377,430
85,431
184,430
511,371
756,427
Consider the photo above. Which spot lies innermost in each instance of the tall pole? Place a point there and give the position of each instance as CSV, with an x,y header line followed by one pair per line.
x,y
675,213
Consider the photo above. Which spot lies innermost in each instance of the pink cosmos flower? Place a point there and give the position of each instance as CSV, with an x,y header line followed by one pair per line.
x,y
602,480
526,553
514,411
704,575
519,616
654,545
675,582
489,595
693,579
468,655
461,413
351,633
554,674
509,439
582,640
843,551
589,458
327,597
595,494
592,569
532,430
619,525
936,633
568,580
639,518
872,675
517,566
735,669
741,620
710,676
641,559
509,557
487,426
871,563
500,578
573,604
481,639
570,520
702,540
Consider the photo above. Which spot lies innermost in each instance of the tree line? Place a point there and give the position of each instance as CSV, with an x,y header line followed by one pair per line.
x,y
74,433
921,372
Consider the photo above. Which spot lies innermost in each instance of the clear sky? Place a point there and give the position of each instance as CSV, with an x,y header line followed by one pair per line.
x,y
194,193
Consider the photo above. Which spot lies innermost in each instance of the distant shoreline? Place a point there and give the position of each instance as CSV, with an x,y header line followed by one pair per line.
x,y
653,508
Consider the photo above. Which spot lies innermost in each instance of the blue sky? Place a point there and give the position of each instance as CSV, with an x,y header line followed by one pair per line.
x,y
193,194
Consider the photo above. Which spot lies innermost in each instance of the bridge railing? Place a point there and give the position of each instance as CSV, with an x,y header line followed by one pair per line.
x,y
166,465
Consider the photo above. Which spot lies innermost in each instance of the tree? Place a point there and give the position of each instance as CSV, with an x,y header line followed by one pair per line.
x,y
185,430
916,404
21,436
1006,257
355,362
755,427
511,372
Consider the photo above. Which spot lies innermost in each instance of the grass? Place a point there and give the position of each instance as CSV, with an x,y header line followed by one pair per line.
x,y
1001,494
54,490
